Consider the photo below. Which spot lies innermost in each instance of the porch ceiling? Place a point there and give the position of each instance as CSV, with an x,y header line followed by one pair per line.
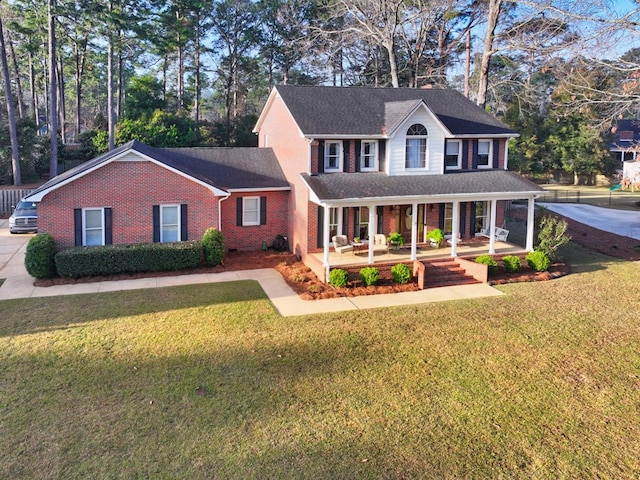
x,y
356,188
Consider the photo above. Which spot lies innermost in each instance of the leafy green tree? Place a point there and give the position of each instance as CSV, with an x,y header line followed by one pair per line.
x,y
144,96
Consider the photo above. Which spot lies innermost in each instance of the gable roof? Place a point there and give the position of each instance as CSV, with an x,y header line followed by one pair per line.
x,y
368,111
353,188
221,169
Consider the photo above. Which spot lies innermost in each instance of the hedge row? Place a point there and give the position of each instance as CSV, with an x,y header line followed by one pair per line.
x,y
113,259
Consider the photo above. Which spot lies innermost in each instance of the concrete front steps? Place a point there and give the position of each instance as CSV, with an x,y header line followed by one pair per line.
x,y
448,272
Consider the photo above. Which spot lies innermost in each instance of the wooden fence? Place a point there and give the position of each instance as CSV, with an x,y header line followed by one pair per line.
x,y
10,197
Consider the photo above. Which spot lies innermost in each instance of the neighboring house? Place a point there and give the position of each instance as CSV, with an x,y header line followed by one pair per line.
x,y
626,140
363,161
137,194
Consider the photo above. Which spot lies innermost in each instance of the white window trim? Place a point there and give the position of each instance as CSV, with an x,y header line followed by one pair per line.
x,y
178,228
374,164
327,144
245,222
458,166
490,157
84,224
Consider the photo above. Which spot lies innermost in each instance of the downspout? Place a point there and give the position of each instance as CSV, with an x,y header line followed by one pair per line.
x,y
220,210
506,154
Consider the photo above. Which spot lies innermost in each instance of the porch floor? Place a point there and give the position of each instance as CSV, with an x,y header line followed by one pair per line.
x,y
424,252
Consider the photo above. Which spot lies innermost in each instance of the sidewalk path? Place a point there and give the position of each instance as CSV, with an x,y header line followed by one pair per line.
x,y
19,284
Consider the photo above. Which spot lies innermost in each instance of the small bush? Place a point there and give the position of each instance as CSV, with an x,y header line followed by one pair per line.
x,y
401,273
511,263
553,235
538,261
144,257
338,277
213,246
40,257
369,276
489,262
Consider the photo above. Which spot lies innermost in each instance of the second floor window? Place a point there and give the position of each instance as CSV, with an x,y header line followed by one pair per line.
x,y
368,155
416,147
453,155
483,158
333,156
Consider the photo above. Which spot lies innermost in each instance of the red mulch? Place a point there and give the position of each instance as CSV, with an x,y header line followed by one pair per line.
x,y
309,287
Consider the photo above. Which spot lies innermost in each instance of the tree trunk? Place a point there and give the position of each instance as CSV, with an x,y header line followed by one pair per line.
x,y
34,95
53,91
492,22
196,102
110,100
16,74
467,65
62,109
11,114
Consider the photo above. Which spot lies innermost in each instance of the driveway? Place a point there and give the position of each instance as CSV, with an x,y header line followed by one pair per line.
x,y
620,222
12,250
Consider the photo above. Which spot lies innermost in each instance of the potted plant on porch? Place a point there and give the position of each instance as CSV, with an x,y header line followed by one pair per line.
x,y
435,237
395,240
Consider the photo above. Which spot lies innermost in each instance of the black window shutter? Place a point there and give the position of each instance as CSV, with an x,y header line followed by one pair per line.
x,y
465,154
321,156
239,211
320,227
442,208
380,212
356,222
108,236
358,151
184,231
345,220
496,152
472,221
382,146
156,223
77,226
263,210
475,155
345,155
463,218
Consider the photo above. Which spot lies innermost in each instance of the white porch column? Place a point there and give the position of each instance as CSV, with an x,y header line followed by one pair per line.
x,y
492,227
455,229
414,231
373,229
325,242
530,224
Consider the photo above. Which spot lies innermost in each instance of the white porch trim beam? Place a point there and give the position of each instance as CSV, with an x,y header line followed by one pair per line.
x,y
373,227
530,224
455,229
492,227
414,231
325,242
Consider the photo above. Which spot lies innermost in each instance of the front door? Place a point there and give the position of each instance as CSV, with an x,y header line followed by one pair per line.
x,y
404,222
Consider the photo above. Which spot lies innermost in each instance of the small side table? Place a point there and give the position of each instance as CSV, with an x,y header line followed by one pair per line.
x,y
358,247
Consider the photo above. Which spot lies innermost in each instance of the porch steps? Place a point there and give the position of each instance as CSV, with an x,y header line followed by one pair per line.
x,y
445,273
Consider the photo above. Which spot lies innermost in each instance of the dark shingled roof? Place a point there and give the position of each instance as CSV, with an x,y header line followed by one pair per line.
x,y
375,111
345,186
223,168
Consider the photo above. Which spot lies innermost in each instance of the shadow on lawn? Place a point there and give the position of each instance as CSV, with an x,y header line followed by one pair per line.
x,y
44,314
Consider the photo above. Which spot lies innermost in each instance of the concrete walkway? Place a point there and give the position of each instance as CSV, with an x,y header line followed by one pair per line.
x,y
19,284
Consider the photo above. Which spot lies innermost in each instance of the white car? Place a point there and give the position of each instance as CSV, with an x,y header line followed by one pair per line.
x,y
24,218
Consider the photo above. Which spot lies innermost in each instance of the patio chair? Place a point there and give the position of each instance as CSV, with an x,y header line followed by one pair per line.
x,y
341,244
500,234
380,243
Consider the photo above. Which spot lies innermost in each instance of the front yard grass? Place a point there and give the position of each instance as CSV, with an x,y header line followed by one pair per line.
x,y
209,381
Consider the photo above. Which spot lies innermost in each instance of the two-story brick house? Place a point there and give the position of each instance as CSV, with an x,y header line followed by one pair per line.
x,y
362,161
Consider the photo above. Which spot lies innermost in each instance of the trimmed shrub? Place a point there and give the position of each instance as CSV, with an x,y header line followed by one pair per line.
x,y
511,263
369,276
40,257
338,277
401,273
553,235
538,261
213,246
489,261
111,259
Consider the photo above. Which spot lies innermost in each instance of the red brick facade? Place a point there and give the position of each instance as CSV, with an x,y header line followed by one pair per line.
x,y
132,188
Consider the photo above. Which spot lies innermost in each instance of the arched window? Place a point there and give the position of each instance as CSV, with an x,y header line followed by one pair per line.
x,y
416,147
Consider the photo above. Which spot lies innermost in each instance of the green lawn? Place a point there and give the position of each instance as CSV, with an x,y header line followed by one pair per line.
x,y
209,382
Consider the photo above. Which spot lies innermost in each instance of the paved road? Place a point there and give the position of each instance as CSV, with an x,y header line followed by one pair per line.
x,y
621,222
